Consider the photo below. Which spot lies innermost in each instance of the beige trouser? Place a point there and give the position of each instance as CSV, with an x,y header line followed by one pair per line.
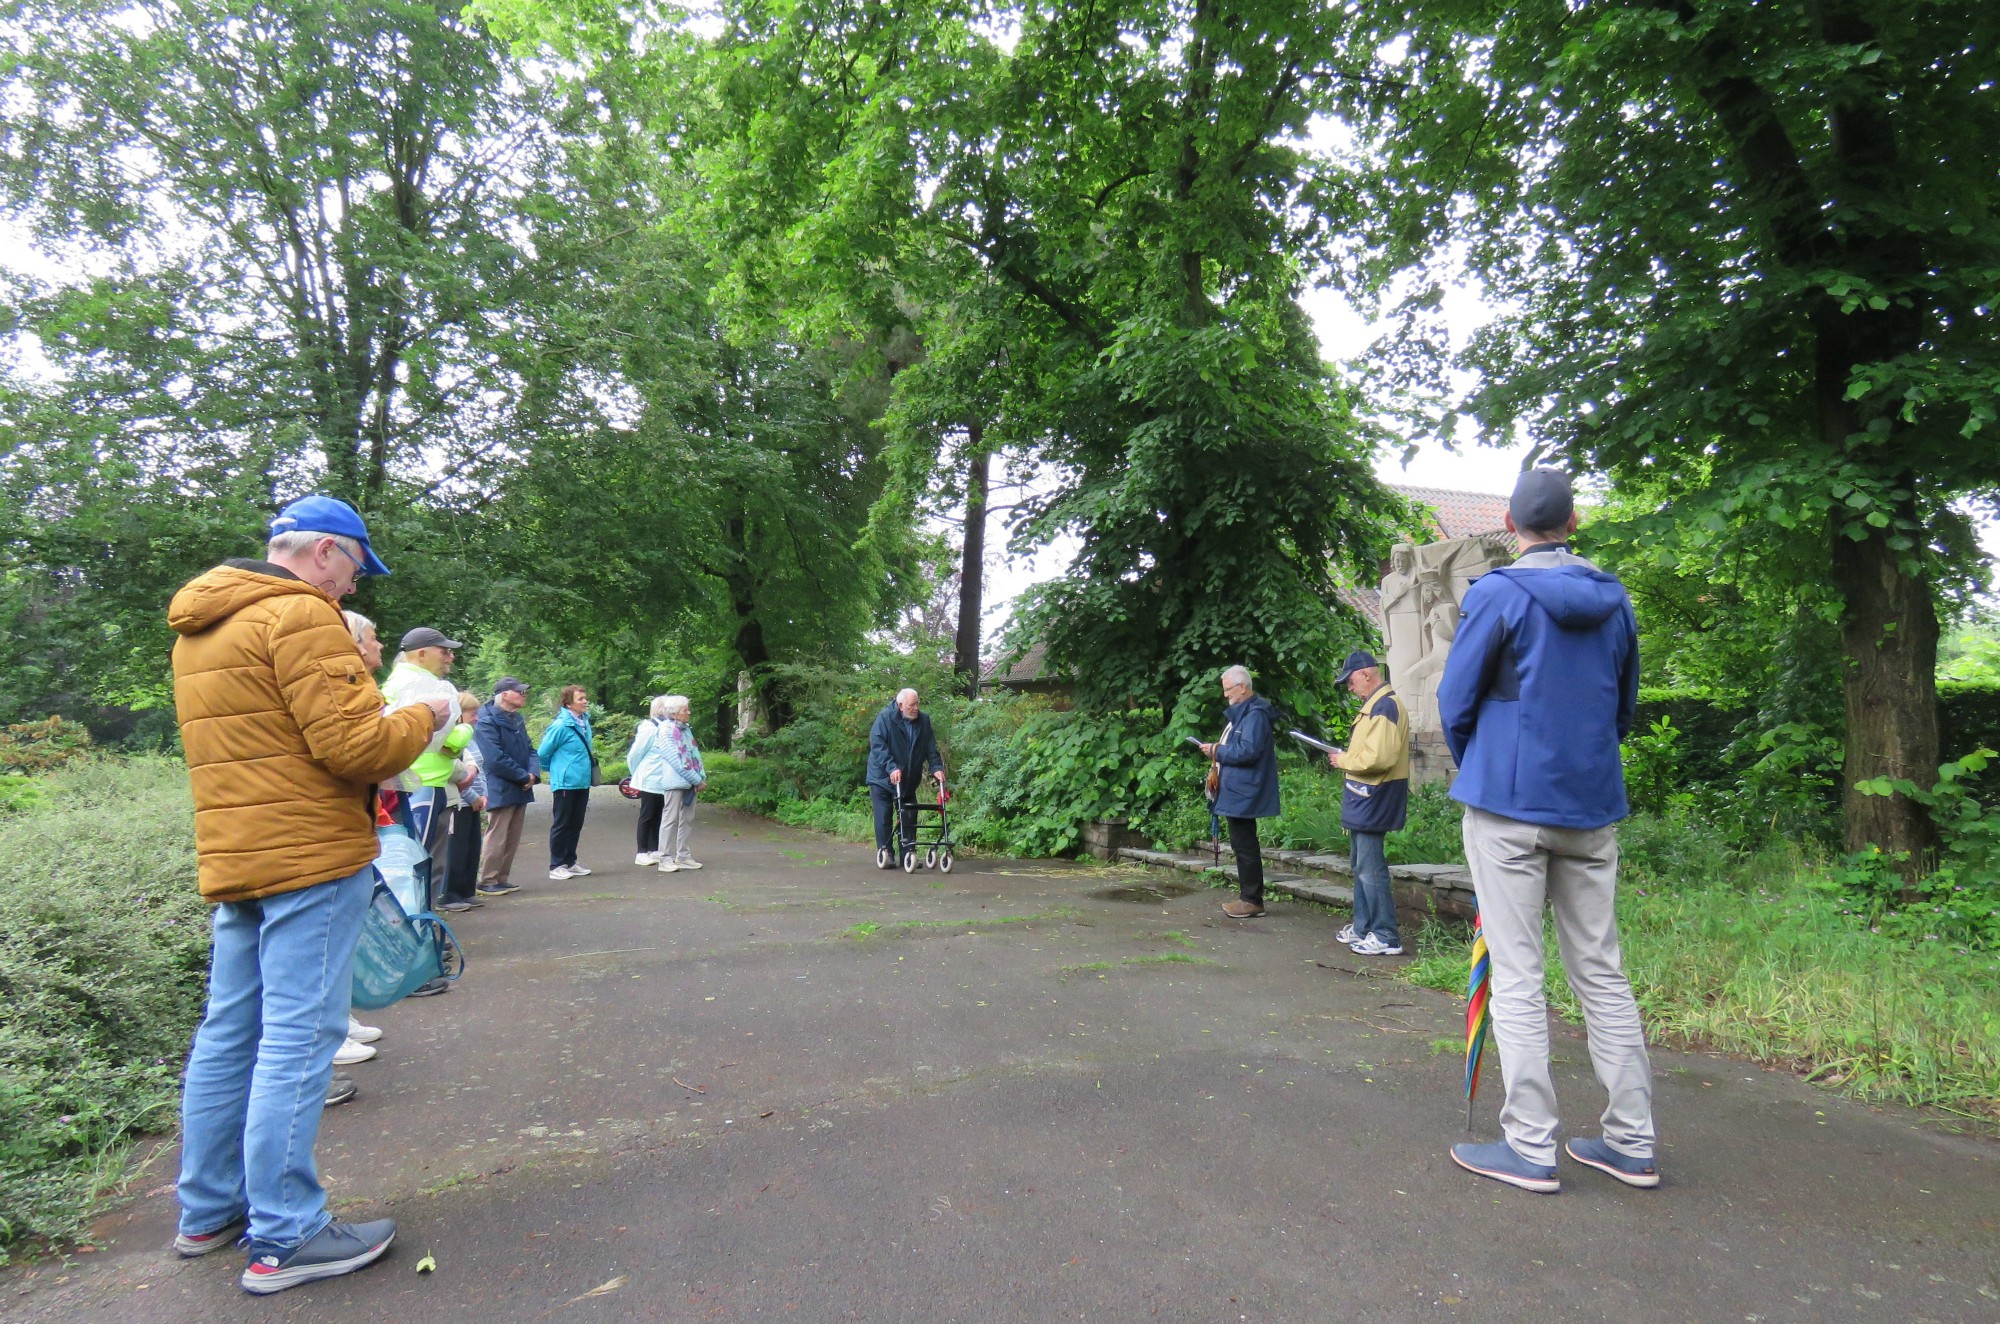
x,y
503,838
676,822
1516,868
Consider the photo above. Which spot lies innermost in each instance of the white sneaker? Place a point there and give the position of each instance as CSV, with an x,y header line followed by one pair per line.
x,y
577,871
646,857
688,864
351,1052
361,1034
1370,945
669,866
1347,935
559,873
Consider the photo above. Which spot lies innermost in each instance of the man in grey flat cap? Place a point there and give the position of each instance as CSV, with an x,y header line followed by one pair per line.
x,y
423,661
1540,687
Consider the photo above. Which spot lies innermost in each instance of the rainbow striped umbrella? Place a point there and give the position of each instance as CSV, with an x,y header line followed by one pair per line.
x,y
1478,1013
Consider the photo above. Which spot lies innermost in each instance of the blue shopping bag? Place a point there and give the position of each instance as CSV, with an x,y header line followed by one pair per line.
x,y
403,946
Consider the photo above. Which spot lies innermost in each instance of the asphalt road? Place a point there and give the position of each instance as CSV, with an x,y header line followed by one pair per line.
x,y
790,1086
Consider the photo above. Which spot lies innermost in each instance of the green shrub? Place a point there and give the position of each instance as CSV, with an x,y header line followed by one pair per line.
x,y
103,963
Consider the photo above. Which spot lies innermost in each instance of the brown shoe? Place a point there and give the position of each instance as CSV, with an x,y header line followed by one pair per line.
x,y
1241,910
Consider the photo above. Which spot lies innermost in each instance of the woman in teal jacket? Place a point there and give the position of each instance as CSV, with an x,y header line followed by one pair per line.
x,y
569,763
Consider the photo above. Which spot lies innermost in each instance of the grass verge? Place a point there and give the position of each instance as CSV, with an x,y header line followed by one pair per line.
x,y
1765,964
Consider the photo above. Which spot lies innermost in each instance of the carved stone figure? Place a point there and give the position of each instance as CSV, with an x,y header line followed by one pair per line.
x,y
1402,613
1441,571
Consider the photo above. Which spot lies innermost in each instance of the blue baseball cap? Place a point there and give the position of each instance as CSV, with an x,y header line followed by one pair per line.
x,y
325,514
1356,661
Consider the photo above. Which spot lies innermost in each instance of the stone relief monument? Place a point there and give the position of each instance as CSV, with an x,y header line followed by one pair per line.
x,y
1421,598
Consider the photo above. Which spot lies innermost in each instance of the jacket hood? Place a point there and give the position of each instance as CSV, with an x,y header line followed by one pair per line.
x,y
214,597
1577,597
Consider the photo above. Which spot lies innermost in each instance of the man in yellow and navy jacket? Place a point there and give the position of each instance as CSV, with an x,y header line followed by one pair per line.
x,y
1374,802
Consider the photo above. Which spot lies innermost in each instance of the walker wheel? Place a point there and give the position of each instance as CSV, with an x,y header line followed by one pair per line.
x,y
909,861
944,862
930,859
881,857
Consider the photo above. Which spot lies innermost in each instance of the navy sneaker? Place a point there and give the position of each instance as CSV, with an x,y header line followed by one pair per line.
x,y
1642,1172
1499,1161
338,1248
189,1245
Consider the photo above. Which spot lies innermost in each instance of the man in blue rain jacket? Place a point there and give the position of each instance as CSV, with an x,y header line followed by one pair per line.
x,y
1538,691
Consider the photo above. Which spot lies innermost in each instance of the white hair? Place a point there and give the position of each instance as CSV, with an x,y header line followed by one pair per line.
x,y
1237,676
298,542
659,710
357,624
669,704
905,693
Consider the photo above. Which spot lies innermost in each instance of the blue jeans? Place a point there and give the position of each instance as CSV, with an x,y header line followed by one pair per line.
x,y
1374,903
279,987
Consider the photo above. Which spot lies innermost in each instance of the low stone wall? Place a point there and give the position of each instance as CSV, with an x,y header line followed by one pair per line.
x,y
1445,889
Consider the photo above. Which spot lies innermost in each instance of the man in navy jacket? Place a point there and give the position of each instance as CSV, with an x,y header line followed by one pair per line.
x,y
508,757
1539,689
901,748
1247,790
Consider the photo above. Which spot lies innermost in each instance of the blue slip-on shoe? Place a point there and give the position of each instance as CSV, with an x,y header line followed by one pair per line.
x,y
338,1248
1642,1172
1499,1161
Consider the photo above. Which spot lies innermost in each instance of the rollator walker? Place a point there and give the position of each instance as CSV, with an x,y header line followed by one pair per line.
x,y
914,820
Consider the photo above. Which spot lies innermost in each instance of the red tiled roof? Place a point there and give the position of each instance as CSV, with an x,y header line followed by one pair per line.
x,y
1459,514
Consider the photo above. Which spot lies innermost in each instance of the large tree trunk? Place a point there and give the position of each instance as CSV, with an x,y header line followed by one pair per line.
x,y
972,567
751,648
1889,633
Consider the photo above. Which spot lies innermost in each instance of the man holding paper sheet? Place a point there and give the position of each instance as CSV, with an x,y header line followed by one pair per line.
x,y
1374,802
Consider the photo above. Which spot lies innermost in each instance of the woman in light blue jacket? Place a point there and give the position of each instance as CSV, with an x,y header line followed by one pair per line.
x,y
567,756
672,766
650,773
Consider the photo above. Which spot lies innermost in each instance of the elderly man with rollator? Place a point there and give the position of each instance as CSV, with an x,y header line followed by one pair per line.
x,y
901,748
1540,687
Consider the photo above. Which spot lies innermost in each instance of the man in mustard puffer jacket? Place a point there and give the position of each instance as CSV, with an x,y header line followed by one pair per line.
x,y
286,738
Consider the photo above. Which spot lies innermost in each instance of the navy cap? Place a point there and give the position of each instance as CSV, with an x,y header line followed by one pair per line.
x,y
506,683
1356,661
1542,501
325,514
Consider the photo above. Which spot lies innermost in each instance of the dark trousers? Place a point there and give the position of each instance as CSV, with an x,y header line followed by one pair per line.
x,y
567,827
461,860
651,806
886,818
1249,860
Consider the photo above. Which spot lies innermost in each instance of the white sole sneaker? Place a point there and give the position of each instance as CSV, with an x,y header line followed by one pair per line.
x,y
688,864
561,875
578,871
670,867
351,1052
362,1034
644,859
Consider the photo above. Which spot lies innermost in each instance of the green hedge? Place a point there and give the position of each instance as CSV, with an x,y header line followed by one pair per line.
x,y
103,962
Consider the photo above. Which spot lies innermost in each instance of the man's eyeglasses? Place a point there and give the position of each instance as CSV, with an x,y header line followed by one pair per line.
x,y
360,566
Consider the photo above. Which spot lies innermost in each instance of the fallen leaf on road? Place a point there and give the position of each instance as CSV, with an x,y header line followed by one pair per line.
x,y
766,1114
427,1263
602,1289
698,1089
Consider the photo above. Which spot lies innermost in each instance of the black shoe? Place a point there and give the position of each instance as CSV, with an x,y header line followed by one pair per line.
x,y
455,907
432,989
338,1248
340,1089
497,889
